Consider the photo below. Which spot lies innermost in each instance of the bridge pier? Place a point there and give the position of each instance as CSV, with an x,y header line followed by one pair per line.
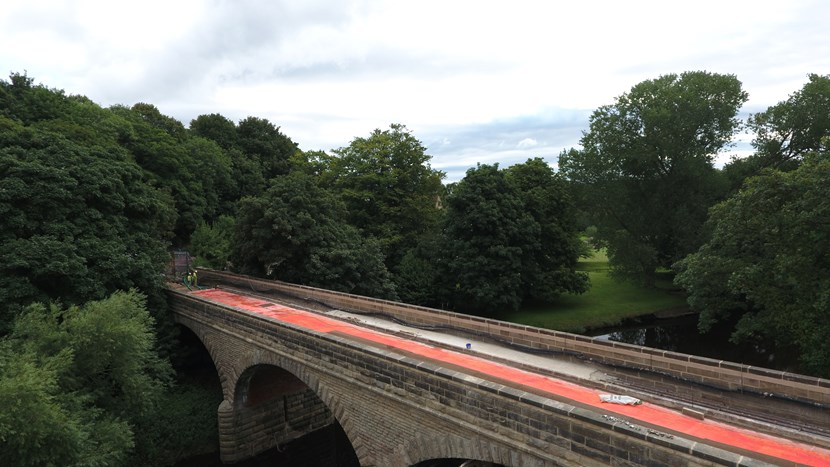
x,y
245,432
229,447
267,413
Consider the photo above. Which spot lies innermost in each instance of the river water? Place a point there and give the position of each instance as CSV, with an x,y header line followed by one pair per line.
x,y
325,447
680,334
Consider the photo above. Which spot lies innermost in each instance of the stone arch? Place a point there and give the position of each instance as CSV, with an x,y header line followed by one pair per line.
x,y
423,448
211,342
313,382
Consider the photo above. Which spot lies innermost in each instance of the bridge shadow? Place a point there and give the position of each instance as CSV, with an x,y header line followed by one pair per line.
x,y
456,463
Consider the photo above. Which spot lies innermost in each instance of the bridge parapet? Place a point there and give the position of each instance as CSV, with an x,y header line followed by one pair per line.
x,y
399,410
710,372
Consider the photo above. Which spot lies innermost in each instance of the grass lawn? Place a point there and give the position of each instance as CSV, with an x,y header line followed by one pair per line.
x,y
606,303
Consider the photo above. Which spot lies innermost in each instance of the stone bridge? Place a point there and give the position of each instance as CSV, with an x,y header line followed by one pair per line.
x,y
283,376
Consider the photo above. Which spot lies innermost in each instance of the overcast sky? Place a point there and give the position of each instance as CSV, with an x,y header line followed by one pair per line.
x,y
475,81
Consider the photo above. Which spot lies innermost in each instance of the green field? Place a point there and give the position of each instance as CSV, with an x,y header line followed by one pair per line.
x,y
606,303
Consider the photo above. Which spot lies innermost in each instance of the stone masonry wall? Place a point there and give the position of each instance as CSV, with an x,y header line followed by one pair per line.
x,y
706,371
397,410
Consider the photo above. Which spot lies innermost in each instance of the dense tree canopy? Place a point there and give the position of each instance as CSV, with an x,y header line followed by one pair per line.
x,y
768,261
793,128
82,382
264,143
80,220
76,223
786,132
487,229
508,236
23,101
548,270
646,168
297,232
212,243
389,188
216,128
193,170
256,148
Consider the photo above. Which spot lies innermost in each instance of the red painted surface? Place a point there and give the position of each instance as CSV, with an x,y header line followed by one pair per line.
x,y
649,414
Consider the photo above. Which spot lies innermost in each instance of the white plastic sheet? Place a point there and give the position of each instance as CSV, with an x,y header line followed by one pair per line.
x,y
618,399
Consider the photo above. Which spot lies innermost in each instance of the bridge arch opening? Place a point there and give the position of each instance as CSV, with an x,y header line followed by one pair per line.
x,y
450,450
262,383
191,359
194,399
288,420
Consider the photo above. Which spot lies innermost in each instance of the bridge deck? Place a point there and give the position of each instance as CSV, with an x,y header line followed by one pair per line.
x,y
649,415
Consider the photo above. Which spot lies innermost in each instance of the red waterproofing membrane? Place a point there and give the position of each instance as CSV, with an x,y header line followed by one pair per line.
x,y
717,433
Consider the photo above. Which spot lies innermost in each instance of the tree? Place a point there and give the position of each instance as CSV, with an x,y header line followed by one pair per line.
x,y
216,128
509,236
313,163
646,168
35,429
84,379
25,102
88,204
212,243
421,276
486,228
247,174
212,167
157,146
263,143
76,223
786,132
153,117
548,271
389,188
791,129
768,262
297,232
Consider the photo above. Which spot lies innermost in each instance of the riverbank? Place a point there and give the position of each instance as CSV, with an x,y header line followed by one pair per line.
x,y
607,303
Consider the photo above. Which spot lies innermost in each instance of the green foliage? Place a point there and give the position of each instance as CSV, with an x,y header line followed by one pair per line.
x,y
767,261
786,132
548,271
212,244
183,425
79,383
418,278
151,115
263,143
508,238
22,100
35,430
76,223
297,232
217,129
793,128
158,148
257,151
212,167
313,163
486,229
646,168
389,188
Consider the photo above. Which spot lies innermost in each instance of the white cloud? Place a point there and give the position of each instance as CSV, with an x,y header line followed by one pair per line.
x,y
463,75
527,143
